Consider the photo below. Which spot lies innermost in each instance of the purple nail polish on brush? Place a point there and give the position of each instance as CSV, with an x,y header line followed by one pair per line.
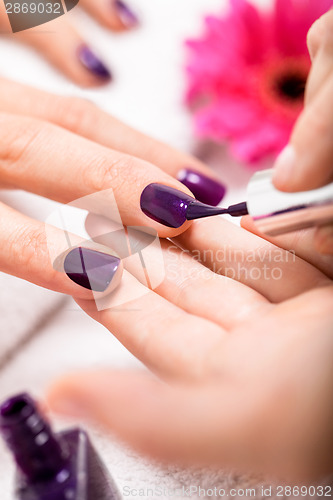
x,y
91,269
92,63
172,207
126,15
51,466
205,189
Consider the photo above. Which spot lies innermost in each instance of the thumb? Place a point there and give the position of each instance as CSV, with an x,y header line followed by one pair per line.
x,y
306,163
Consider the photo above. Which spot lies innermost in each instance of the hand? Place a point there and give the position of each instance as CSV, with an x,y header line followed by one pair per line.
x,y
243,343
64,149
66,49
307,162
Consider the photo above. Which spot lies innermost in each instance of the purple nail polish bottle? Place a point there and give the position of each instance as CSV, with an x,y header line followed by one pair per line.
x,y
51,466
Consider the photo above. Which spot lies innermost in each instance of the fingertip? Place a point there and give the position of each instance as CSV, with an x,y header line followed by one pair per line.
x,y
284,176
114,15
166,232
125,14
97,72
95,270
324,240
248,224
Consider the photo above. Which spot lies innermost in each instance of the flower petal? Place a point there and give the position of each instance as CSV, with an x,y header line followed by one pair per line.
x,y
268,138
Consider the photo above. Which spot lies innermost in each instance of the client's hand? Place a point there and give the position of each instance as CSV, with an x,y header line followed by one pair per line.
x,y
62,44
240,331
307,163
65,149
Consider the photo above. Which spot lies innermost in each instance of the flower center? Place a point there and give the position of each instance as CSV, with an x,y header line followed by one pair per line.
x,y
291,86
282,85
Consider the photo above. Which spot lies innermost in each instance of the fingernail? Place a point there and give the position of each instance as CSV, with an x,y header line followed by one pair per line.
x,y
125,14
165,204
93,64
284,166
204,188
91,269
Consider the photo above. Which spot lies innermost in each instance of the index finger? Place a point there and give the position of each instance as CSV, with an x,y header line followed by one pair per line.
x,y
87,120
52,162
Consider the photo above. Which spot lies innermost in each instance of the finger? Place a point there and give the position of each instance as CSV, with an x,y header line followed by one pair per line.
x,y
307,162
64,48
318,31
170,341
85,119
301,242
196,431
57,164
275,273
324,242
321,46
217,424
178,277
51,258
115,14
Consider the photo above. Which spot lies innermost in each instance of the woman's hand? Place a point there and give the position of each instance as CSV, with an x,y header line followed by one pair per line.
x,y
65,149
64,46
241,332
307,162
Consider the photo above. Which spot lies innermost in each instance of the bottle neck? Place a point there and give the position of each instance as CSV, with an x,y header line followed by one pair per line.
x,y
37,450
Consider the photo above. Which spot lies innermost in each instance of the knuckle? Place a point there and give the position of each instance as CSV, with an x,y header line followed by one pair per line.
x,y
74,113
321,32
18,138
104,173
29,245
314,33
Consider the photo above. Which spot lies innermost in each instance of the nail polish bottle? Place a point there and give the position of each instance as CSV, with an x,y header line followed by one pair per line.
x,y
51,466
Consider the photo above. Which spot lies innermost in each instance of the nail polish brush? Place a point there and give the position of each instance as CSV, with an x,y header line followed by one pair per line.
x,y
275,212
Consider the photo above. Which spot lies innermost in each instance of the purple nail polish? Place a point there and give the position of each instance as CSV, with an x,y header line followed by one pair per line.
x,y
172,208
91,269
165,204
204,188
126,15
92,63
51,466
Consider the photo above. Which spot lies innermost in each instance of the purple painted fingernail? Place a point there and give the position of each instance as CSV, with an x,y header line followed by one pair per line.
x,y
91,269
92,63
126,15
165,204
204,188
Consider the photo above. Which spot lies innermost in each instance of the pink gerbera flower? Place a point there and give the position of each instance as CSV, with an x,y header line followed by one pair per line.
x,y
247,74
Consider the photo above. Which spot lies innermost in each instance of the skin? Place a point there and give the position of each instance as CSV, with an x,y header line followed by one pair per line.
x,y
243,363
65,149
63,39
311,140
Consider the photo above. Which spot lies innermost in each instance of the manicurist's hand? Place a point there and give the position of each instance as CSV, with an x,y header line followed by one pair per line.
x,y
240,334
61,43
307,163
67,149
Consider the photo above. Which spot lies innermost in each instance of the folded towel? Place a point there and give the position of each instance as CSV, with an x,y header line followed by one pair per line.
x,y
23,306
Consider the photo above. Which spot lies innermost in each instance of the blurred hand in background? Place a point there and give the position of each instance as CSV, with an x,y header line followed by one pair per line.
x,y
65,47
